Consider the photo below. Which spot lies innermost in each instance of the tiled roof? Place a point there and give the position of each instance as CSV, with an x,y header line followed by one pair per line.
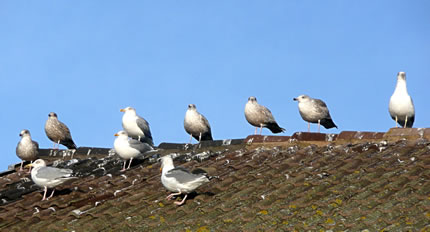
x,y
308,181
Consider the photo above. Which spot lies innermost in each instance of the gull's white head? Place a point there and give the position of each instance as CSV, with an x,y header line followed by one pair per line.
x,y
121,134
37,163
302,98
128,109
24,133
401,76
252,99
166,161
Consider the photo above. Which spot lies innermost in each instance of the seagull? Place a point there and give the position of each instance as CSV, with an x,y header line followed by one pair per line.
x,y
27,149
58,132
197,125
129,148
49,177
401,107
314,110
179,180
136,126
259,116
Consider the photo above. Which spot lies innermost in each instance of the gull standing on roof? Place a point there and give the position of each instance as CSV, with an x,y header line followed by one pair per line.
x,y
259,116
197,125
58,132
314,110
129,148
136,126
49,177
179,180
401,107
27,149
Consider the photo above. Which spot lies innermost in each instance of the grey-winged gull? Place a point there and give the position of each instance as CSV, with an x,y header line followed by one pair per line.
x,y
49,177
314,111
197,125
179,180
259,116
27,149
401,107
129,148
58,132
136,126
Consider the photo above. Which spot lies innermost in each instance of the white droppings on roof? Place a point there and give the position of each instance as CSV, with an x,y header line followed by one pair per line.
x,y
117,191
203,155
226,142
111,152
25,179
330,137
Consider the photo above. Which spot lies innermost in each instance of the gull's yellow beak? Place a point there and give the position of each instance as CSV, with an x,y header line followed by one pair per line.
x,y
161,169
116,134
122,110
28,165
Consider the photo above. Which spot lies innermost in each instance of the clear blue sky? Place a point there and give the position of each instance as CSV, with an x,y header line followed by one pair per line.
x,y
85,60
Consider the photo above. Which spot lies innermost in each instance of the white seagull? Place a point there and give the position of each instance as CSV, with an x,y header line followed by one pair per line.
x,y
49,177
27,149
129,148
259,116
179,180
136,126
401,107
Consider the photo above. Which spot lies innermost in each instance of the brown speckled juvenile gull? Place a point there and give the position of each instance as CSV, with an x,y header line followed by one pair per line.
x,y
401,107
314,111
58,132
259,116
197,125
27,149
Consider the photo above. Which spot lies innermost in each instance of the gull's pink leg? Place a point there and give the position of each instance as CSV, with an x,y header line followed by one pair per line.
x,y
58,145
319,126
261,129
396,121
123,167
29,170
129,164
406,120
191,138
200,137
22,162
255,131
52,194
182,202
173,194
44,194
309,127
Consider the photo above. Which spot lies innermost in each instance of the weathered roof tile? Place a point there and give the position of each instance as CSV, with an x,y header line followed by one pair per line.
x,y
310,181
